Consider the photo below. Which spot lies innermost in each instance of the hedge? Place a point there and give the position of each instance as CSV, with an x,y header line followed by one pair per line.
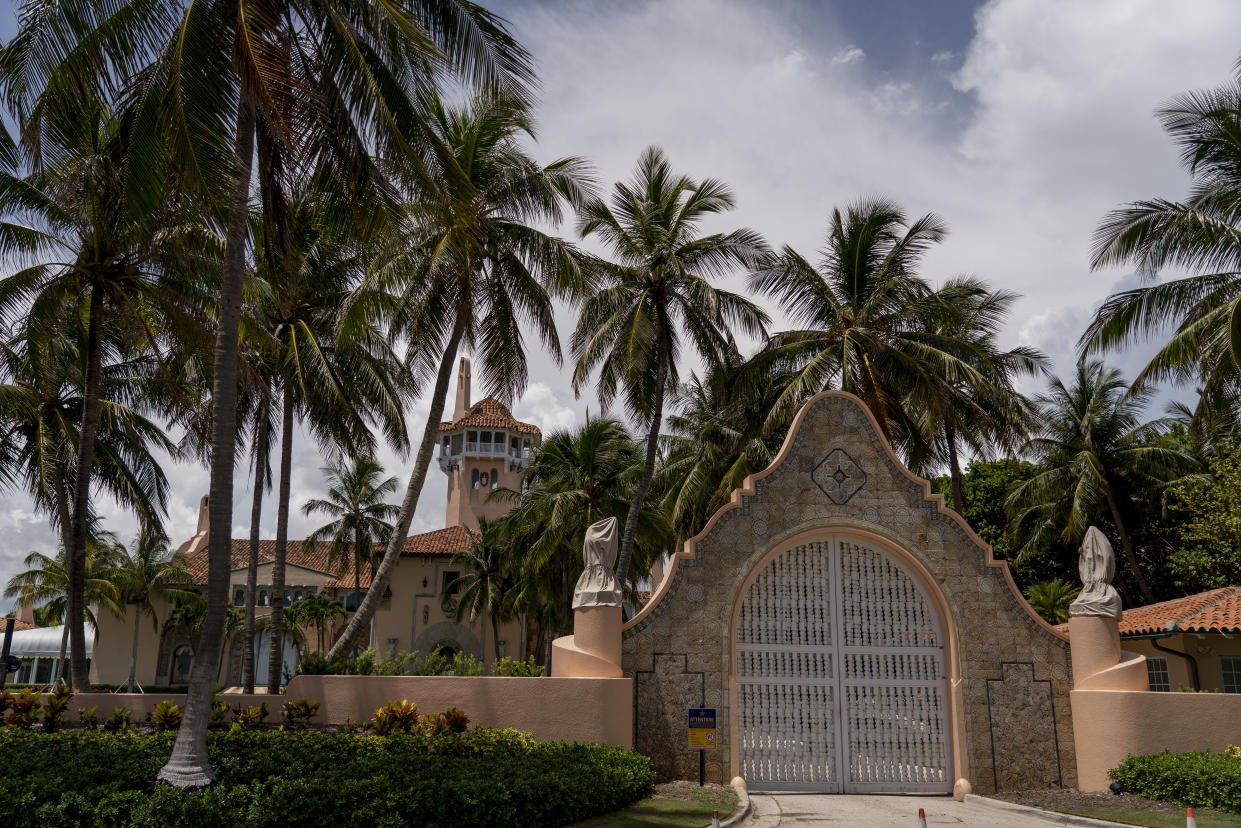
x,y
1206,780
309,778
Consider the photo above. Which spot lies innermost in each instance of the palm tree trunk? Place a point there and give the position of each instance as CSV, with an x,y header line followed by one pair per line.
x,y
954,469
275,658
133,653
252,566
648,472
189,766
495,632
430,436
66,534
75,557
1127,544
64,647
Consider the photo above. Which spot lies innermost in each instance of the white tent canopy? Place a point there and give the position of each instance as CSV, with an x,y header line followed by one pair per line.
x,y
45,641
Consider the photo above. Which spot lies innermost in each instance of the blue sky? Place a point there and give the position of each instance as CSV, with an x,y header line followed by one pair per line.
x,y
1021,122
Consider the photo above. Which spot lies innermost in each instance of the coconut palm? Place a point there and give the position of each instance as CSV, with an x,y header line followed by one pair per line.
x,y
575,477
146,572
260,453
76,246
356,498
333,385
45,583
1197,235
473,272
1051,599
1095,456
657,290
321,611
485,579
982,412
863,312
718,436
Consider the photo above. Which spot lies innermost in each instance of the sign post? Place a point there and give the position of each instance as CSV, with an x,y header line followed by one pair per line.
x,y
702,736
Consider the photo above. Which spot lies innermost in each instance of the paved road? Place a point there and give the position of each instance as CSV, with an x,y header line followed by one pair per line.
x,y
789,810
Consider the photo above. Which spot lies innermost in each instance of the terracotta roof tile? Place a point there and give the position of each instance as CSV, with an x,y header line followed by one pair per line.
x,y
1216,610
18,625
442,543
437,544
490,413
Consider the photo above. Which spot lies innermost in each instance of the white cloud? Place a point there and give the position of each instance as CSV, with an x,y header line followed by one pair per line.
x,y
946,56
849,54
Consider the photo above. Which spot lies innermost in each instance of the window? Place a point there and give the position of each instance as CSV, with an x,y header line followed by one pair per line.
x,y
474,479
43,670
26,671
297,596
239,598
515,445
449,577
1157,674
456,443
471,436
485,439
503,647
447,447
262,598
1230,666
182,661
483,480
495,479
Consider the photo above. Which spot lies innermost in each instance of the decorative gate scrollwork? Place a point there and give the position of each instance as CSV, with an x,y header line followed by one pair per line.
x,y
840,675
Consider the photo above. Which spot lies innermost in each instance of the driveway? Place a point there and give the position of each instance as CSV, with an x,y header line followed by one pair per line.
x,y
788,810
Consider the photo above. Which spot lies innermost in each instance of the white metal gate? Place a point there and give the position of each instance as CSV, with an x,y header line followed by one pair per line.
x,y
840,675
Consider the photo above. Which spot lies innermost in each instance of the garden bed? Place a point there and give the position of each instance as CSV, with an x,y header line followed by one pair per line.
x,y
308,778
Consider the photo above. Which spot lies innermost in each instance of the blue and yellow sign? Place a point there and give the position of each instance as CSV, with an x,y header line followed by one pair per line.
x,y
702,728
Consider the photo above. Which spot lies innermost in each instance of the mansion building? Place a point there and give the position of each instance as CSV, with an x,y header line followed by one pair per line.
x,y
483,448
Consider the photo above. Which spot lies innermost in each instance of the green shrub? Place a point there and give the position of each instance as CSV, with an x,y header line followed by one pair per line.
x,y
248,717
318,664
464,664
311,778
89,717
506,666
54,706
395,716
298,713
434,663
166,715
120,721
455,720
1207,780
24,708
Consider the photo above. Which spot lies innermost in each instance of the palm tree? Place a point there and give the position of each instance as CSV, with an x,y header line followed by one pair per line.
x,y
1051,599
575,477
45,583
660,283
1197,235
147,571
1095,457
206,82
473,271
718,436
863,312
484,581
94,257
985,411
320,610
260,452
333,384
356,499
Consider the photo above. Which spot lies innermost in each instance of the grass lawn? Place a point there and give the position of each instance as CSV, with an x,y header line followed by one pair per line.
x,y
674,805
1158,819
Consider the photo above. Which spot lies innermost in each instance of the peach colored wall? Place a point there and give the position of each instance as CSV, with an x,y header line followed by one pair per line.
x,y
114,645
465,503
565,709
1109,725
1210,674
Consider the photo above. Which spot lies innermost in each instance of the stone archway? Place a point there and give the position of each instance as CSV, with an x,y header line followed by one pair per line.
x,y
841,671
1005,669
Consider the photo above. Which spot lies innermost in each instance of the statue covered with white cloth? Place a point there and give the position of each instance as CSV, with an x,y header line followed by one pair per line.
x,y
598,586
1096,564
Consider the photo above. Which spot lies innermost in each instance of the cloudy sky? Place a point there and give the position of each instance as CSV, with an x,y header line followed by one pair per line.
x,y
1019,121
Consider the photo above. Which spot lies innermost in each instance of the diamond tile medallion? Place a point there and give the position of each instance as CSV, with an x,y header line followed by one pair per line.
x,y
839,476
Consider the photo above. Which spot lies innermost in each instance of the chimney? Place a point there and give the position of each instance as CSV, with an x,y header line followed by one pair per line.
x,y
463,390
199,541
25,612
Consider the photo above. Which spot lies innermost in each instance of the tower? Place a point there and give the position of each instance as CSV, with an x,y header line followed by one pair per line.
x,y
483,449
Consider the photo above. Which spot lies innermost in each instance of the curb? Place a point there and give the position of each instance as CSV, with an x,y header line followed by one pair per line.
x,y
1053,817
743,808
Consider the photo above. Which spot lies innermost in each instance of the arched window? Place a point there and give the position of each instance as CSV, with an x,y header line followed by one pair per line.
x,y
297,596
288,597
495,479
239,597
263,598
474,478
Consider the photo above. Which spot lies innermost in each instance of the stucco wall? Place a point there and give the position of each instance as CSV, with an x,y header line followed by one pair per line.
x,y
1009,671
1112,724
1206,650
563,709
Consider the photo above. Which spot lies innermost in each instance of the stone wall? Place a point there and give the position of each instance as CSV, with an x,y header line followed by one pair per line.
x,y
1008,670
